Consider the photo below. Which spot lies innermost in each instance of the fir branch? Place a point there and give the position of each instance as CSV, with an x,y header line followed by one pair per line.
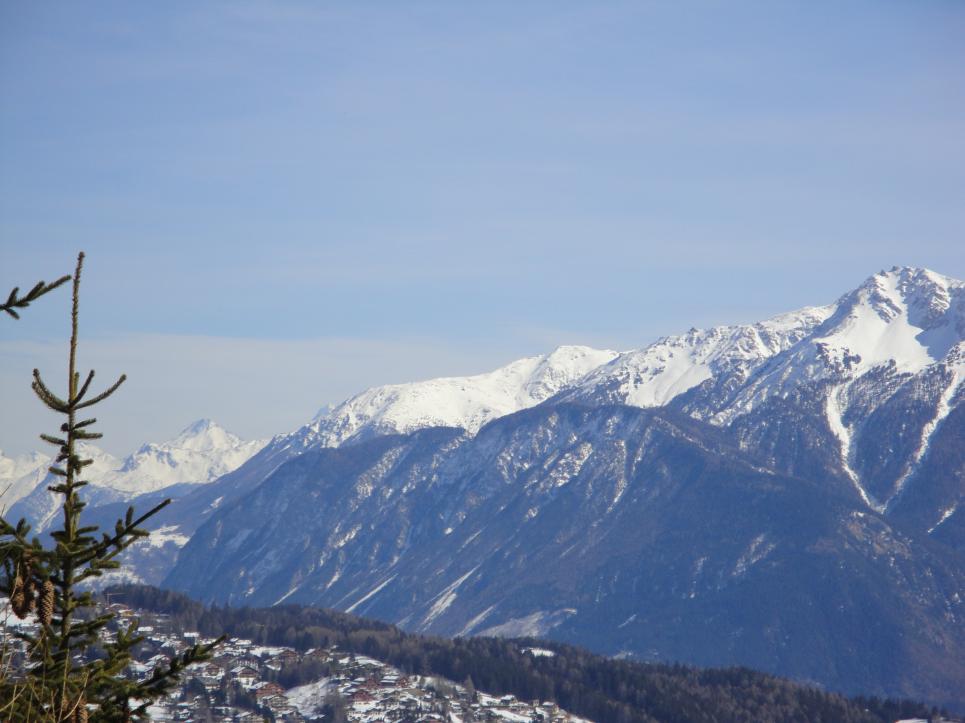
x,y
84,387
22,302
47,396
103,395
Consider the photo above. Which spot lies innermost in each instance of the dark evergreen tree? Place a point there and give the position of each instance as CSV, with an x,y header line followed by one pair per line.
x,y
75,669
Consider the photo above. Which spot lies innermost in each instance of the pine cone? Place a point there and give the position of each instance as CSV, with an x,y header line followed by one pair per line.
x,y
80,714
26,573
30,591
18,599
18,604
66,714
47,603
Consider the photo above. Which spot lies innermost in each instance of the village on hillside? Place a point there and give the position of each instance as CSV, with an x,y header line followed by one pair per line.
x,y
246,683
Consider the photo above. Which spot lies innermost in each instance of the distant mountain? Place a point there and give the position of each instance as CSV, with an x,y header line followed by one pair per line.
x,y
19,475
201,453
39,506
198,455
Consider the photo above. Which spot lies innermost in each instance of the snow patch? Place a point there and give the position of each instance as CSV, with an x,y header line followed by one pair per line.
x,y
476,621
533,625
371,594
755,552
167,534
310,699
445,598
287,595
540,652
843,434
945,515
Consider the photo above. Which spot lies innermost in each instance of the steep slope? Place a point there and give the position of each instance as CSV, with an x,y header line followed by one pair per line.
x,y
464,402
850,394
887,365
629,531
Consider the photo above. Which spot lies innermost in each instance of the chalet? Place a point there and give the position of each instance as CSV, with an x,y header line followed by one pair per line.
x,y
264,690
287,657
244,674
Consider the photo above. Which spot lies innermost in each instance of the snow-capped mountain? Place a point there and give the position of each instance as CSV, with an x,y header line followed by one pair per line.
x,y
39,506
198,455
786,495
19,475
658,373
853,392
465,402
906,319
892,346
202,452
899,322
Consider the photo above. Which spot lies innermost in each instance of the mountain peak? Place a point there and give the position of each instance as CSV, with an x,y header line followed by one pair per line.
x,y
204,435
199,426
566,352
908,314
910,283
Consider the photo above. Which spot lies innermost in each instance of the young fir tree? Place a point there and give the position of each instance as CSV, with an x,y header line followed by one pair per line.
x,y
75,668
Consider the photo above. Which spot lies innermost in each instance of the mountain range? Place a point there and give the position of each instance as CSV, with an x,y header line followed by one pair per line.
x,y
784,495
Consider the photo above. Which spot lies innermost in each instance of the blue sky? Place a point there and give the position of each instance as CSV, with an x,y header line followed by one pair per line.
x,y
283,203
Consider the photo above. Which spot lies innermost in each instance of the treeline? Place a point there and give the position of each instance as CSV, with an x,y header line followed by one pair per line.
x,y
588,685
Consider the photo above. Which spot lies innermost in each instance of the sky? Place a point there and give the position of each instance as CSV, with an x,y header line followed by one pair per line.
x,y
285,203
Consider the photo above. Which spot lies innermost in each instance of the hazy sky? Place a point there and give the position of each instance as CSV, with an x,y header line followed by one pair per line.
x,y
283,203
